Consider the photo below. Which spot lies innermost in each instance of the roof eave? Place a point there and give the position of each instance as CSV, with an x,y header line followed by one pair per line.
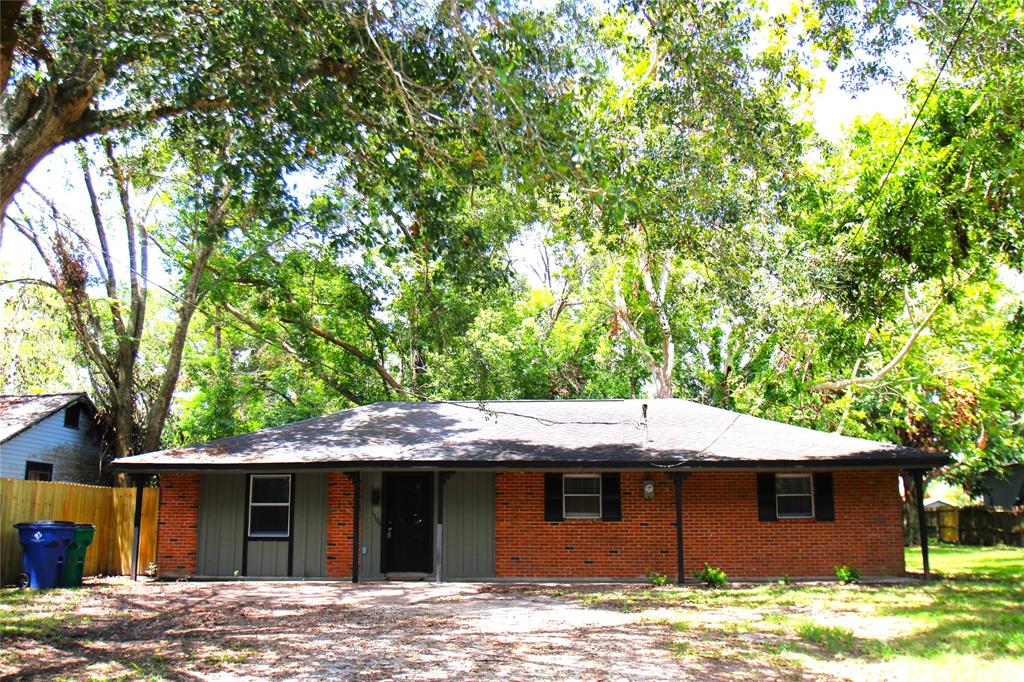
x,y
79,397
864,462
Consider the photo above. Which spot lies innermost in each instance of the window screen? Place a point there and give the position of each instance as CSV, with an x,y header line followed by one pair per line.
x,y
794,496
581,496
270,500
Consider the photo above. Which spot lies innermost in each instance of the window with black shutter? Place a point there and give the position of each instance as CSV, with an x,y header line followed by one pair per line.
x,y
611,497
552,497
795,496
766,497
582,496
824,497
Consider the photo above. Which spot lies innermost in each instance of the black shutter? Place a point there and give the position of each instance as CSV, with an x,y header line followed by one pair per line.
x,y
552,497
766,498
824,499
611,498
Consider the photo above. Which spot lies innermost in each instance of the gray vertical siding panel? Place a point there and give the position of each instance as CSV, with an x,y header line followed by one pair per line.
x,y
221,524
309,556
369,528
268,559
469,526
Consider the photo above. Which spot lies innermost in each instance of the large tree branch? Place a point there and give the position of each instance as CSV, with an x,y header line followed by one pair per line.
x,y
93,122
138,250
189,298
656,298
826,386
107,270
622,312
290,350
10,12
349,348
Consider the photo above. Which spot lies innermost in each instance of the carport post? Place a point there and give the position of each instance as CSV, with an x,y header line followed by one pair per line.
x,y
137,530
442,478
356,478
922,523
677,479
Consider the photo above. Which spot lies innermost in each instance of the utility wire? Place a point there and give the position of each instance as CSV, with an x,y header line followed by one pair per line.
x,y
917,118
906,138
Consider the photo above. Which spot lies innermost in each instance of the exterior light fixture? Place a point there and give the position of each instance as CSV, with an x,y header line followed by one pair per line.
x,y
648,490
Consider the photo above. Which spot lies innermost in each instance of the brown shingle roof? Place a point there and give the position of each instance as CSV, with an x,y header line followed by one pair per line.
x,y
18,412
567,433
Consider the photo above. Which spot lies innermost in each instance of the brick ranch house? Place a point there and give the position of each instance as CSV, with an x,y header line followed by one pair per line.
x,y
568,489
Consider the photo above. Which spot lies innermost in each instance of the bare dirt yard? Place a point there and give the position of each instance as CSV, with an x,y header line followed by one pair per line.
x,y
968,626
404,631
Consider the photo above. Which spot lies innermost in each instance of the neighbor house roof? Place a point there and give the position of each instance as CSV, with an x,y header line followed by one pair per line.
x,y
19,412
533,433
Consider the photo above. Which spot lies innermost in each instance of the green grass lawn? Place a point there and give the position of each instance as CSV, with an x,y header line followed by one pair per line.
x,y
967,626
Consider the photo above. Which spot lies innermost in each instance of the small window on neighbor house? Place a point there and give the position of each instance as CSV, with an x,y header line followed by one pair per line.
x,y
581,496
38,471
71,415
270,501
794,496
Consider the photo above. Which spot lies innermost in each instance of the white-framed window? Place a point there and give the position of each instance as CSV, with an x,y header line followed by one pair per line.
x,y
581,496
794,496
270,505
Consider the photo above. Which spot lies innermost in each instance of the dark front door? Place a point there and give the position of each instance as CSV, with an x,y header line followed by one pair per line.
x,y
407,523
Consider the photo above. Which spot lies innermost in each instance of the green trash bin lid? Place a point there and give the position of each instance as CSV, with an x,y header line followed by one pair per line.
x,y
74,561
84,533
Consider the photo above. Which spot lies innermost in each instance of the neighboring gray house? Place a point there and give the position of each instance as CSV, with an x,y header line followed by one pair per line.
x,y
1005,492
50,437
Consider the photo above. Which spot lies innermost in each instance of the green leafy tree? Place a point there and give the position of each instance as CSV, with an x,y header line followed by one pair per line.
x,y
39,352
297,79
692,149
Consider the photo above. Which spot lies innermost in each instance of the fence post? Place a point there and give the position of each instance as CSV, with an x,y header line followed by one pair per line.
x,y
137,529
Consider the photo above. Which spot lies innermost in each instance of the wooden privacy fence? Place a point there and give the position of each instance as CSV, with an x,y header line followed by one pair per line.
x,y
943,524
111,510
977,526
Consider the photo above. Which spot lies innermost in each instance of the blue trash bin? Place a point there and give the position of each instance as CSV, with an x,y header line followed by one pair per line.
x,y
44,544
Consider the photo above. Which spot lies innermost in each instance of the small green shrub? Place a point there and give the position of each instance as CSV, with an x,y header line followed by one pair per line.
x,y
657,579
847,574
712,576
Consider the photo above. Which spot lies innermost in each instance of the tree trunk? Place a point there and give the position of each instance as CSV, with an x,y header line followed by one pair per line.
x,y
663,369
189,302
36,119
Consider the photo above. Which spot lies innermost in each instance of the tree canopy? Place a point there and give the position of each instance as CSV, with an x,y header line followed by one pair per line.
x,y
297,207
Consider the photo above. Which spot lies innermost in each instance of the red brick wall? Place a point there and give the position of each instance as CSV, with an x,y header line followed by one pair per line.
x,y
528,546
720,526
177,524
339,525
